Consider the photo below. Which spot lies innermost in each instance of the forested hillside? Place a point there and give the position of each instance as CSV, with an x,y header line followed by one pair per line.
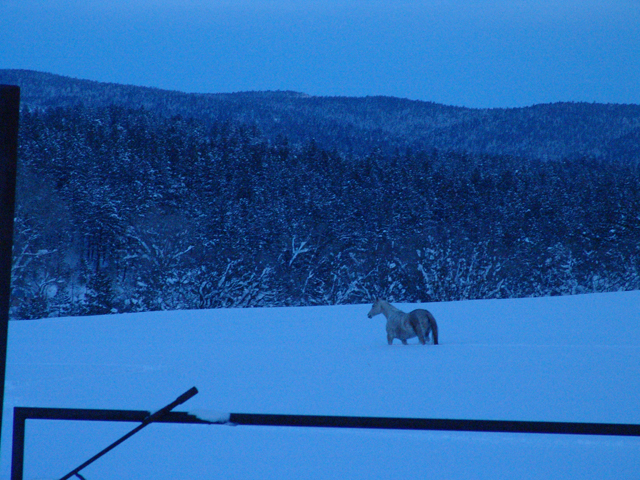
x,y
136,199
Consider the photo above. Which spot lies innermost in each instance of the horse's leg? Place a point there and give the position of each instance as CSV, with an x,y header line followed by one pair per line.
x,y
427,332
389,339
404,342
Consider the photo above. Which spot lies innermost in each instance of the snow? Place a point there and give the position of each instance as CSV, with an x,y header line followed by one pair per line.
x,y
573,359
211,416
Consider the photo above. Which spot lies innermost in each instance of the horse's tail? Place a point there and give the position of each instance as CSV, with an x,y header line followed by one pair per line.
x,y
434,327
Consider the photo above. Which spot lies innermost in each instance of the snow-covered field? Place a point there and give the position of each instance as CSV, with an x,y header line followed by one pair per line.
x,y
571,359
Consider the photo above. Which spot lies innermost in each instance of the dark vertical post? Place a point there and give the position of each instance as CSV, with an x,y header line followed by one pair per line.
x,y
9,114
17,453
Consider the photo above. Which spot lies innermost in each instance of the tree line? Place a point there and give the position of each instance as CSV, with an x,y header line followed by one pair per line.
x,y
123,209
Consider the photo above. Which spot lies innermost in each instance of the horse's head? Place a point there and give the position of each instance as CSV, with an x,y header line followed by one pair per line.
x,y
376,309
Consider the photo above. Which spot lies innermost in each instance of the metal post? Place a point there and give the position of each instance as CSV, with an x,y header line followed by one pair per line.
x,y
17,453
9,117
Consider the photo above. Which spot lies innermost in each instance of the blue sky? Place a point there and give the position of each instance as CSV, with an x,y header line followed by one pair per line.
x,y
493,53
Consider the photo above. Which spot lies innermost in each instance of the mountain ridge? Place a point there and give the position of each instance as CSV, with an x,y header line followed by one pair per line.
x,y
360,125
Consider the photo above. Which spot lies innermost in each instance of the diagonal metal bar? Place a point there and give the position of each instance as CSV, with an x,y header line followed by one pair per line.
x,y
146,421
22,414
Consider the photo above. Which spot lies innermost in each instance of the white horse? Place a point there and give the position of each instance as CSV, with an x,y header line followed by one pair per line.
x,y
417,323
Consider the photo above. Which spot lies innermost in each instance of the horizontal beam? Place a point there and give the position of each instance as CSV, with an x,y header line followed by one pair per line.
x,y
332,421
506,426
36,413
21,414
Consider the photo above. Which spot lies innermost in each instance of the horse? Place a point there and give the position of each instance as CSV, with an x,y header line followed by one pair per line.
x,y
417,323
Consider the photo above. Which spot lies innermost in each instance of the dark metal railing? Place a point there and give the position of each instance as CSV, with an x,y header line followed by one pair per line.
x,y
165,415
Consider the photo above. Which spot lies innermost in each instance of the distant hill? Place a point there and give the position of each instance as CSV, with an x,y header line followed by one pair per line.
x,y
360,125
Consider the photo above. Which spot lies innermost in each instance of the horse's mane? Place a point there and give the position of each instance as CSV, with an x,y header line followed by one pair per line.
x,y
391,307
